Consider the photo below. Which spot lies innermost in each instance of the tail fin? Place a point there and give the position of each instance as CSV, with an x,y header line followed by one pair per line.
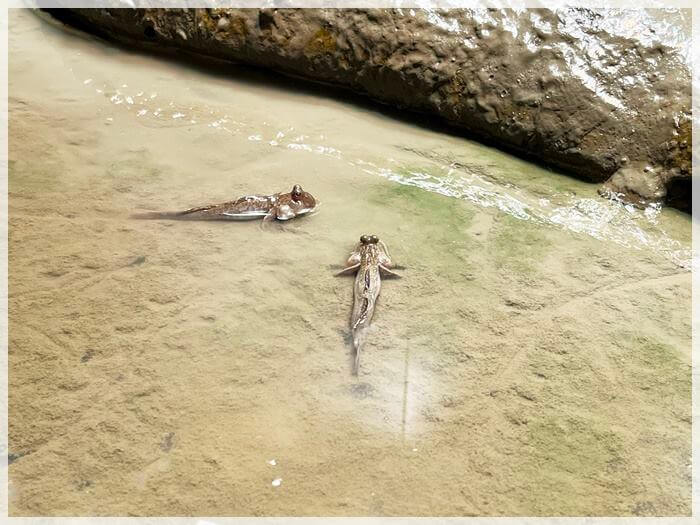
x,y
356,344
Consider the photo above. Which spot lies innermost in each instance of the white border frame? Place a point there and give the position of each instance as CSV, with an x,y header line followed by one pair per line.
x,y
553,4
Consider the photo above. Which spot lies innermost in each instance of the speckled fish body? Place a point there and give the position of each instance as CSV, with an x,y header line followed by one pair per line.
x,y
280,206
370,258
368,284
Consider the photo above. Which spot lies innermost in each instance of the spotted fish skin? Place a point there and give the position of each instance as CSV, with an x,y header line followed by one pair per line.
x,y
369,259
280,206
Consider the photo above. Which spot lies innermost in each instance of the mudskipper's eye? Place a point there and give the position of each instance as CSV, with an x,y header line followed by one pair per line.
x,y
366,239
297,192
374,239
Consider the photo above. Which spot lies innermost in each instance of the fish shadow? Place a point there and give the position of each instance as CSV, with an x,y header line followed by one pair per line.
x,y
361,390
347,339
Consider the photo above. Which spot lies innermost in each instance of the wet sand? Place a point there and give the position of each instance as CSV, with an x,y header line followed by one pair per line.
x,y
533,360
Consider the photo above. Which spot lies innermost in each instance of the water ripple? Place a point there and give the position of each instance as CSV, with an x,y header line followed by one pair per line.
x,y
601,219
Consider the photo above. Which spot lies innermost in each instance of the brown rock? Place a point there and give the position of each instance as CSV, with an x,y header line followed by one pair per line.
x,y
639,184
569,87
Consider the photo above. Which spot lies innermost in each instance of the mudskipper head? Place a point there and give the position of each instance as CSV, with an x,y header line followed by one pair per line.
x,y
302,201
297,193
369,239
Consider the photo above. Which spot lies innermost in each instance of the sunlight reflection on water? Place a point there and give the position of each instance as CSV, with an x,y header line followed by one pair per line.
x,y
602,219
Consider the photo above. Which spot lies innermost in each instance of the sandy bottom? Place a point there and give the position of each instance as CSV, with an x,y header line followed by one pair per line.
x,y
533,360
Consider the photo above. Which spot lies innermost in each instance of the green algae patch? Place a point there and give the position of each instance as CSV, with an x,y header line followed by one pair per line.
x,y
653,366
574,446
447,213
574,455
322,42
518,246
435,225
221,25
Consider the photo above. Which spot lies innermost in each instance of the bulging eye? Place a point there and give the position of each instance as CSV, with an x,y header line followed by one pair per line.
x,y
374,239
297,192
366,239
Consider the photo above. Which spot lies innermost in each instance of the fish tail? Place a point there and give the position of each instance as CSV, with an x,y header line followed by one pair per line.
x,y
356,344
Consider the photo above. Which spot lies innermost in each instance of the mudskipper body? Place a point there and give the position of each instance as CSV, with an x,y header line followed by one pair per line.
x,y
370,259
280,206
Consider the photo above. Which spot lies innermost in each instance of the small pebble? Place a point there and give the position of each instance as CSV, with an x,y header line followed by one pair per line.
x,y
139,260
272,462
276,482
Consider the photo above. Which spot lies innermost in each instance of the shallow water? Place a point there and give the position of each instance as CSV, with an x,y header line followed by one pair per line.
x,y
534,359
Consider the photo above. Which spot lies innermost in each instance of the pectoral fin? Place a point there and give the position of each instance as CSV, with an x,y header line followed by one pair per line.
x,y
283,212
388,273
348,270
269,217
